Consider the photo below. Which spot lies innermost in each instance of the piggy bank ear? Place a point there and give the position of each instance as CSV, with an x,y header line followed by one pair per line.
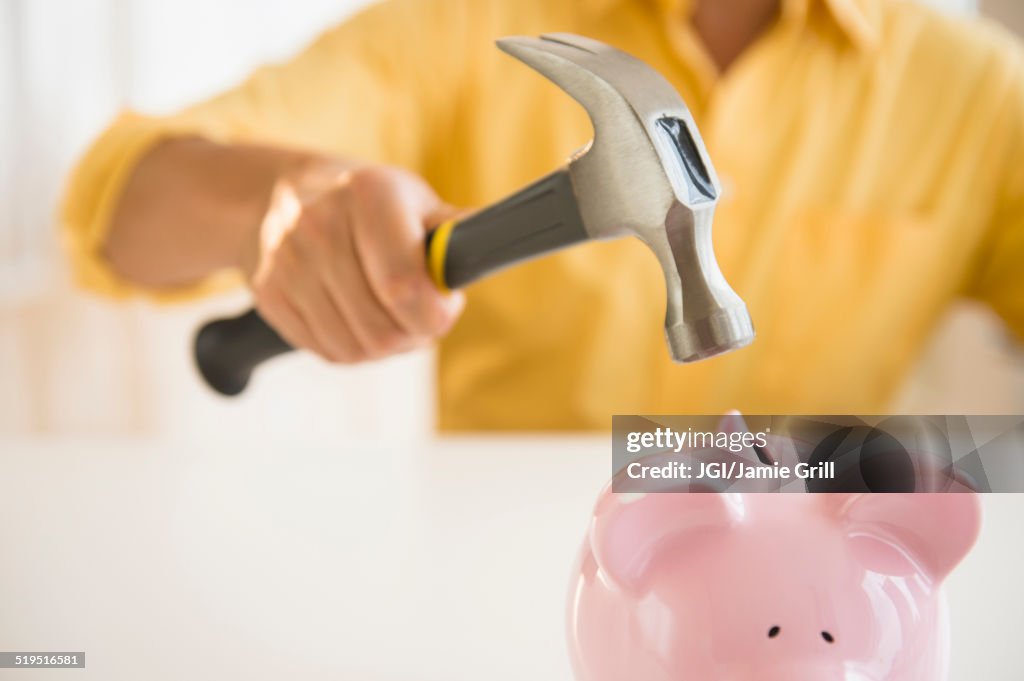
x,y
629,530
931,531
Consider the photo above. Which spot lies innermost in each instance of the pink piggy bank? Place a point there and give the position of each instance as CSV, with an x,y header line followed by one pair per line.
x,y
767,587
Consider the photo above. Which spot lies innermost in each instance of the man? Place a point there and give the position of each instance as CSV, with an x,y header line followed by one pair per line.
x,y
871,154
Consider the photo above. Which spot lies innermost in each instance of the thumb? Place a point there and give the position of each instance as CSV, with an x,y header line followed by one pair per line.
x,y
443,212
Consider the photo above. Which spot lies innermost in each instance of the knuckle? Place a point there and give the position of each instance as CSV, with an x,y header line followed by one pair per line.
x,y
389,342
370,179
286,258
400,287
325,212
323,221
377,186
288,278
311,238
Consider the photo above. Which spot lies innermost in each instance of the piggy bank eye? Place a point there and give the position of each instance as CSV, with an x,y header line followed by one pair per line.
x,y
828,637
773,632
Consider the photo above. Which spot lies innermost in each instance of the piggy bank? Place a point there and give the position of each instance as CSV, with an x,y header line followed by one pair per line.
x,y
767,587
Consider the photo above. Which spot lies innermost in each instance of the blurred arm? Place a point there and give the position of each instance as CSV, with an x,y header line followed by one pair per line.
x,y
192,207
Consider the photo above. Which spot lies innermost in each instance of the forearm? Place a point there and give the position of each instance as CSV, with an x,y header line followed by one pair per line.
x,y
191,207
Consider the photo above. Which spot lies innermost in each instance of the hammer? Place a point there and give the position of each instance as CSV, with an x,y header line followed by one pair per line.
x,y
646,174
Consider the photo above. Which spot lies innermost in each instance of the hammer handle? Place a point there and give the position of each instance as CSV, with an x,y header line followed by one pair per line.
x,y
537,219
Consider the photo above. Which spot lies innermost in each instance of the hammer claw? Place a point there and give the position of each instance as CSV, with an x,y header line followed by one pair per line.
x,y
646,174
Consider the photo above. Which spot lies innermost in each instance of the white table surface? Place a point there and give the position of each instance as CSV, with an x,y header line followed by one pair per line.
x,y
443,561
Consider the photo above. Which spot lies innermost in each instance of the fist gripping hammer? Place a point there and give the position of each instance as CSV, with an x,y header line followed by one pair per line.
x,y
646,174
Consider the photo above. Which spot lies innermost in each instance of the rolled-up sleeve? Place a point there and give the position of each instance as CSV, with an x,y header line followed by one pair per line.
x,y
368,89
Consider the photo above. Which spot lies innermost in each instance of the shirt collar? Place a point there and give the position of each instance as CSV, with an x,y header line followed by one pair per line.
x,y
856,19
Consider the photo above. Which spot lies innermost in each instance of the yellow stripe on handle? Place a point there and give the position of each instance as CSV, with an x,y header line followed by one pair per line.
x,y
439,252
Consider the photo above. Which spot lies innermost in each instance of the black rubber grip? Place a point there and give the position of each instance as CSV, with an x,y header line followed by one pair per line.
x,y
227,350
535,220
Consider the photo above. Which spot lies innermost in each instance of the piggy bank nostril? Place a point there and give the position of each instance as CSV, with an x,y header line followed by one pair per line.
x,y
828,637
773,632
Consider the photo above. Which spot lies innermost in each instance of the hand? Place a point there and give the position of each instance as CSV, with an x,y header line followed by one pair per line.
x,y
338,265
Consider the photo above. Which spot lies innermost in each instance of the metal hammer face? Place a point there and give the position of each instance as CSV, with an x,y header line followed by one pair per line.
x,y
647,174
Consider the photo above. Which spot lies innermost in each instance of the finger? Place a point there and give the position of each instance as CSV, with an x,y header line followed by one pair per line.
x,y
345,283
388,228
331,333
300,264
441,212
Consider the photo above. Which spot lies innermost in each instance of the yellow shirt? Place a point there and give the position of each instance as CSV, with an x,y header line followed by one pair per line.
x,y
871,154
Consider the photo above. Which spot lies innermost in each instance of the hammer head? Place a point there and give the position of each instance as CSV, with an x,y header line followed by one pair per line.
x,y
647,174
